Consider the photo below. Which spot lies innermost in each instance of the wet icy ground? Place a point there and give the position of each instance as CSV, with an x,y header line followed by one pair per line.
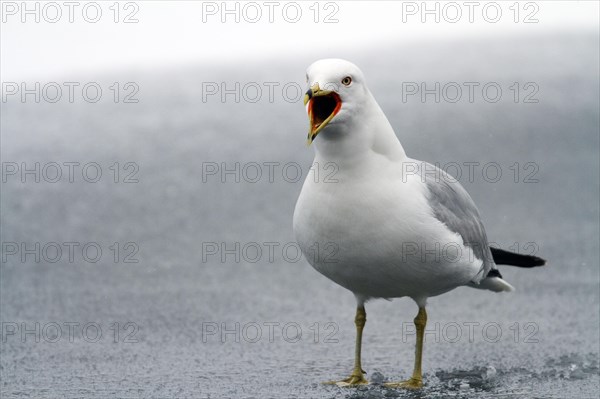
x,y
540,341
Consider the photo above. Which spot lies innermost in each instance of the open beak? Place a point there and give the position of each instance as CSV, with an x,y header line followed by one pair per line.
x,y
323,105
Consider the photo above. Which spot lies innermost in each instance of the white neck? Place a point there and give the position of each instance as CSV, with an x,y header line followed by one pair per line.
x,y
370,133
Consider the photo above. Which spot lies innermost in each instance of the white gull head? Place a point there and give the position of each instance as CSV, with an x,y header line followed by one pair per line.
x,y
344,114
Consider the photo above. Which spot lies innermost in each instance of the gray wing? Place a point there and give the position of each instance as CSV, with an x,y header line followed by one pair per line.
x,y
453,206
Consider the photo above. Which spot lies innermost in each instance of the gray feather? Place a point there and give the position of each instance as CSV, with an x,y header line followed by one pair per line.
x,y
453,206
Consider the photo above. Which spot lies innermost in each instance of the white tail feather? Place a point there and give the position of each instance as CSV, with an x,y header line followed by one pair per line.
x,y
495,284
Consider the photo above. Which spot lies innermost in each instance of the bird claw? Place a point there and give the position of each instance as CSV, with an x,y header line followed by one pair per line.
x,y
353,380
412,383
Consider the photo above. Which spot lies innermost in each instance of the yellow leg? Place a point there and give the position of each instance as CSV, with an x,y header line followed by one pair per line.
x,y
357,377
416,381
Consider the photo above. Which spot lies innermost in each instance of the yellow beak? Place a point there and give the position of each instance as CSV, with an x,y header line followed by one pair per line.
x,y
323,105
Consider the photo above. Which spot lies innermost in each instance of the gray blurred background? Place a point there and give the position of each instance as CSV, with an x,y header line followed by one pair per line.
x,y
194,316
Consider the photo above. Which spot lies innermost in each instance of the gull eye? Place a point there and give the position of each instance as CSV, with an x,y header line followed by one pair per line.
x,y
346,81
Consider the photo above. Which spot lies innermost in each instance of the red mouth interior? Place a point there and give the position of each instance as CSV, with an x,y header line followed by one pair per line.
x,y
322,107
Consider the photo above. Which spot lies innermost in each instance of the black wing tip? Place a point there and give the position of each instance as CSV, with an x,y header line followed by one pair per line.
x,y
494,273
536,261
531,261
502,257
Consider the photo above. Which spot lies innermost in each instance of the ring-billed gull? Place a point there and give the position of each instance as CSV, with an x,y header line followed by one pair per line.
x,y
399,227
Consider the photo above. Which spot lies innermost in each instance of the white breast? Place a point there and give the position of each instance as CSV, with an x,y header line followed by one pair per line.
x,y
371,234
